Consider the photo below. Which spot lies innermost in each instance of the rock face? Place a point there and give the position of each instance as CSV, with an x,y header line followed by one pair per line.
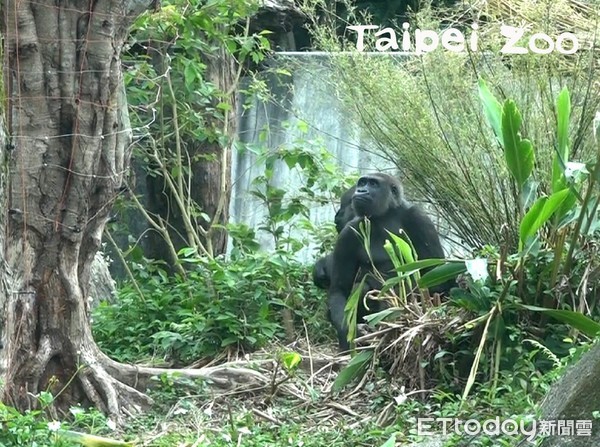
x,y
574,398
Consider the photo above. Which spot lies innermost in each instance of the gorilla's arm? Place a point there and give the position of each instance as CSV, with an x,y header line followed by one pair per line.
x,y
424,237
344,266
322,268
421,231
321,272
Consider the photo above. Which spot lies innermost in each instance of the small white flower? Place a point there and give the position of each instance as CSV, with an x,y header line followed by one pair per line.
x,y
111,424
180,410
208,411
54,426
400,399
573,169
76,410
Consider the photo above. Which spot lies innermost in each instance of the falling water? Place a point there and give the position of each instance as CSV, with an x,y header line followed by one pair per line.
x,y
303,96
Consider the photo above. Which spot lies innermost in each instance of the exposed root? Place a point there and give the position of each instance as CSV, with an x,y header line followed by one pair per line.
x,y
91,393
225,376
115,398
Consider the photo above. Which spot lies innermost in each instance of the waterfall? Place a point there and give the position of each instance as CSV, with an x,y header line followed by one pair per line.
x,y
303,96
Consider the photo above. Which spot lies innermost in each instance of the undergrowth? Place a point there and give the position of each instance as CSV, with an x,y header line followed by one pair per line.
x,y
219,305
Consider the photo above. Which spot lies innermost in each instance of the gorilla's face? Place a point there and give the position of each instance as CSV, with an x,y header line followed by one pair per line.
x,y
375,194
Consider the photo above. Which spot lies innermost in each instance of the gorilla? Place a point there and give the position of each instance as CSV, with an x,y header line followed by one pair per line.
x,y
322,268
378,197
346,213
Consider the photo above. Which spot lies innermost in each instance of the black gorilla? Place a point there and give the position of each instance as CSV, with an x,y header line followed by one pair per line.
x,y
380,198
322,268
346,213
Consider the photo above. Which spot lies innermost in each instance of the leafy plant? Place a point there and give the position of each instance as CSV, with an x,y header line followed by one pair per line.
x,y
218,305
539,233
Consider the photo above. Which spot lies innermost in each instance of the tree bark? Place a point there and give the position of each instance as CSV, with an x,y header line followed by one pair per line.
x,y
70,132
209,163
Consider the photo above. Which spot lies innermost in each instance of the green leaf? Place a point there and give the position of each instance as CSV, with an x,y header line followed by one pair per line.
x,y
302,126
492,110
528,193
403,247
290,360
91,440
378,317
575,319
189,74
390,442
419,265
355,368
540,213
563,113
350,310
441,274
517,152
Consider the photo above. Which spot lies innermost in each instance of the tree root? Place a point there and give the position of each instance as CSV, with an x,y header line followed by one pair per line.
x,y
108,393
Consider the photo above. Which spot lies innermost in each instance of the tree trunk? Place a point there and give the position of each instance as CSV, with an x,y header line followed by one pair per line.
x,y
209,162
212,172
70,149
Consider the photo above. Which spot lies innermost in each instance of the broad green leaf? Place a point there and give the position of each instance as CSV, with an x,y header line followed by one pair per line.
x,y
418,265
574,319
561,157
389,249
442,274
403,247
492,110
355,368
390,442
517,152
378,317
290,360
528,193
540,213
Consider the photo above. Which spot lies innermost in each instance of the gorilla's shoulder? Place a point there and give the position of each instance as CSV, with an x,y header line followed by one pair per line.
x,y
353,226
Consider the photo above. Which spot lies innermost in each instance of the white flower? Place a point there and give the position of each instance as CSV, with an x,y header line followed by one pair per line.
x,y
477,268
208,411
111,424
54,426
76,410
180,410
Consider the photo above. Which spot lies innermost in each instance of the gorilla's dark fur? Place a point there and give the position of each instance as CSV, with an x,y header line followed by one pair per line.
x,y
379,197
322,268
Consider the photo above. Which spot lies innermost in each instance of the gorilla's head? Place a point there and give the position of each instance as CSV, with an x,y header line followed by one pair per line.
x,y
345,214
376,194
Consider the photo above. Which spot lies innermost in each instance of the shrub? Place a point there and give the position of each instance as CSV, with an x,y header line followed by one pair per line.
x,y
236,304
